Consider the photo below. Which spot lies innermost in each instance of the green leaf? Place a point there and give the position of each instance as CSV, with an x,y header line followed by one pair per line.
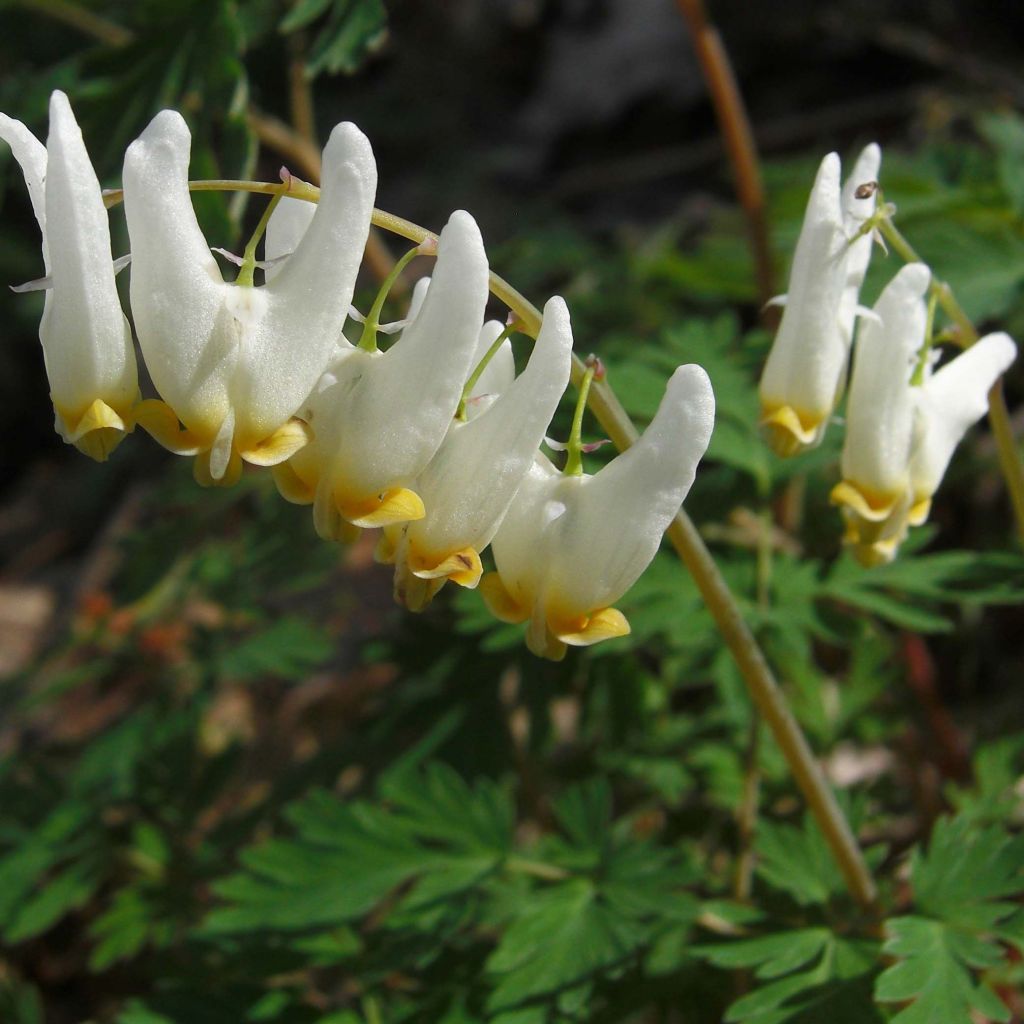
x,y
968,881
902,591
565,935
345,859
58,896
933,973
1005,133
811,975
797,861
302,13
354,29
290,648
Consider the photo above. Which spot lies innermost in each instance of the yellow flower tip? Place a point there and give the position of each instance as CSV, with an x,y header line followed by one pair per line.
x,y
282,444
412,592
542,642
291,486
788,431
347,533
462,567
387,547
202,475
585,630
97,431
866,504
500,603
919,510
398,505
881,552
159,420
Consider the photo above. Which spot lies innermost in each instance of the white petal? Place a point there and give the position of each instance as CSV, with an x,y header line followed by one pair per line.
x,y
177,292
879,415
399,405
855,213
85,335
288,223
521,544
808,358
309,299
952,401
500,371
419,293
614,520
31,156
470,482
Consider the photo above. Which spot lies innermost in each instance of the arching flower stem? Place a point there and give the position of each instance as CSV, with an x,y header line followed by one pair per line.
x,y
690,546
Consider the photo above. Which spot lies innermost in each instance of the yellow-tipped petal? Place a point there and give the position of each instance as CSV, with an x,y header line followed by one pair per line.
x,y
919,510
605,624
291,486
282,444
98,431
870,506
203,476
788,431
412,592
542,642
500,603
387,547
159,420
398,505
463,567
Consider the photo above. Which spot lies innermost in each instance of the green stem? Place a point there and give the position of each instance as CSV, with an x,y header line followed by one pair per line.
x,y
368,339
574,458
690,547
248,268
510,329
917,378
998,415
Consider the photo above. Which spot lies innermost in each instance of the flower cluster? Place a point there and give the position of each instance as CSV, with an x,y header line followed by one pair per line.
x,y
434,440
904,421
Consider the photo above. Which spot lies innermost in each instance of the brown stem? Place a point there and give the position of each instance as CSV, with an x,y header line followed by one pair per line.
x,y
737,134
300,89
82,19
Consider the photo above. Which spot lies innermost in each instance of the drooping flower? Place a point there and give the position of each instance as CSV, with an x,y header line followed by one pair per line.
x,y
379,417
875,494
87,343
473,477
572,545
231,361
804,376
946,406
903,421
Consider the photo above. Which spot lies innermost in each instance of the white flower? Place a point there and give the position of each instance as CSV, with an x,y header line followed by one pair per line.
x,y
903,423
805,373
875,490
570,546
379,417
469,484
946,406
87,343
233,362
